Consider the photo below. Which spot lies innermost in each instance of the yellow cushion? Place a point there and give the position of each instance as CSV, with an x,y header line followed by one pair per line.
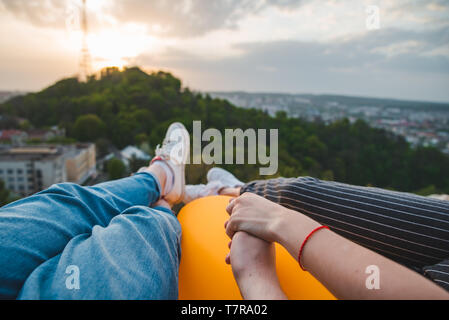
x,y
203,272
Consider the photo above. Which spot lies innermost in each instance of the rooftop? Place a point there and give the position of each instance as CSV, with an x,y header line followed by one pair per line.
x,y
131,151
30,152
33,150
74,150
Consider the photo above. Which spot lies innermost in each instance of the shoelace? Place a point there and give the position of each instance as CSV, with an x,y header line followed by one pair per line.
x,y
163,150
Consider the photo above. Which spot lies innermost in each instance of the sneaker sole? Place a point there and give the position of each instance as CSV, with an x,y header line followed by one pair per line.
x,y
186,136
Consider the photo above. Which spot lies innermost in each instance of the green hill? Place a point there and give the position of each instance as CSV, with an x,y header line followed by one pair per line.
x,y
131,106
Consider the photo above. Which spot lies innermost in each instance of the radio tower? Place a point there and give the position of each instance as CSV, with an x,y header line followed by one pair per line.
x,y
85,62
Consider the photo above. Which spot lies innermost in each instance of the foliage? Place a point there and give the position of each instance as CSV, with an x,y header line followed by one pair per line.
x,y
132,107
102,147
8,122
135,164
4,194
115,168
88,127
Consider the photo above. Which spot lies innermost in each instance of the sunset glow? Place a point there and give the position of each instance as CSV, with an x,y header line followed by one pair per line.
x,y
264,45
116,48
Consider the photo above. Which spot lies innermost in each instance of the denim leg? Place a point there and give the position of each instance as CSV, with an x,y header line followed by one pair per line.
x,y
36,229
135,257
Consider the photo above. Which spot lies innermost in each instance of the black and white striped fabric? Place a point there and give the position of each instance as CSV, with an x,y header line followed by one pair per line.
x,y
409,229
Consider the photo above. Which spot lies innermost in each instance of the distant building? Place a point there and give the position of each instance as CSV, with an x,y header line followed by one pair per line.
x,y
80,162
45,135
26,170
19,137
30,169
131,151
6,95
13,136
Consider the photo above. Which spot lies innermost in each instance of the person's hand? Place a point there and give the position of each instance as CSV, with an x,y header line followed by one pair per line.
x,y
253,264
255,215
248,252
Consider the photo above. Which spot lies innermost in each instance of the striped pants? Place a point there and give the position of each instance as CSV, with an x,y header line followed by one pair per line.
x,y
409,229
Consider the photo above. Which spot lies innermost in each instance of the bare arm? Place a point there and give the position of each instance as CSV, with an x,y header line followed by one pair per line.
x,y
340,265
335,261
253,264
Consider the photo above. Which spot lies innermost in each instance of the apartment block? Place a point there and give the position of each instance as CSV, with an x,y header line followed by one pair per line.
x,y
80,162
29,169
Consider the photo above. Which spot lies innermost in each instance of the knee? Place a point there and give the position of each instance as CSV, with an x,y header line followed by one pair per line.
x,y
162,203
158,220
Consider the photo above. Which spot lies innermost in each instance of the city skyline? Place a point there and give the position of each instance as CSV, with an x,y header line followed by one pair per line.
x,y
289,46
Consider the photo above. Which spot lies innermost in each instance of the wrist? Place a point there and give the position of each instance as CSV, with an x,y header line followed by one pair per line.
x,y
279,225
291,230
259,286
283,224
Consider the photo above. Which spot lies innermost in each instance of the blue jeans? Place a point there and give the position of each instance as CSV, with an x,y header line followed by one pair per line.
x,y
100,242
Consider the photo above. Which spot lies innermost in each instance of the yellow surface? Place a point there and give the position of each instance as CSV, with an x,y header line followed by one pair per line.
x,y
203,272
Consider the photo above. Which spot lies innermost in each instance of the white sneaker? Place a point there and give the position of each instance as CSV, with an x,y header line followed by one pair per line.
x,y
175,152
196,191
227,179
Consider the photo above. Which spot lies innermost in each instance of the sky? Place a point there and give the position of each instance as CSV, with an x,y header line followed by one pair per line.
x,y
377,48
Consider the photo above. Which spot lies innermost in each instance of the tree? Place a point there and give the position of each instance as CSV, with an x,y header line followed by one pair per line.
x,y
141,138
134,107
25,125
427,191
89,127
102,145
135,164
4,194
116,169
8,122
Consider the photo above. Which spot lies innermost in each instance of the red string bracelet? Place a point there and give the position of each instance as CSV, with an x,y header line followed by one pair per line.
x,y
304,243
157,158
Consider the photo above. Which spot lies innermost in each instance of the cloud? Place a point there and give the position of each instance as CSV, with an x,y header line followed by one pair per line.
x,y
49,13
385,47
425,14
353,66
407,57
193,17
178,18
